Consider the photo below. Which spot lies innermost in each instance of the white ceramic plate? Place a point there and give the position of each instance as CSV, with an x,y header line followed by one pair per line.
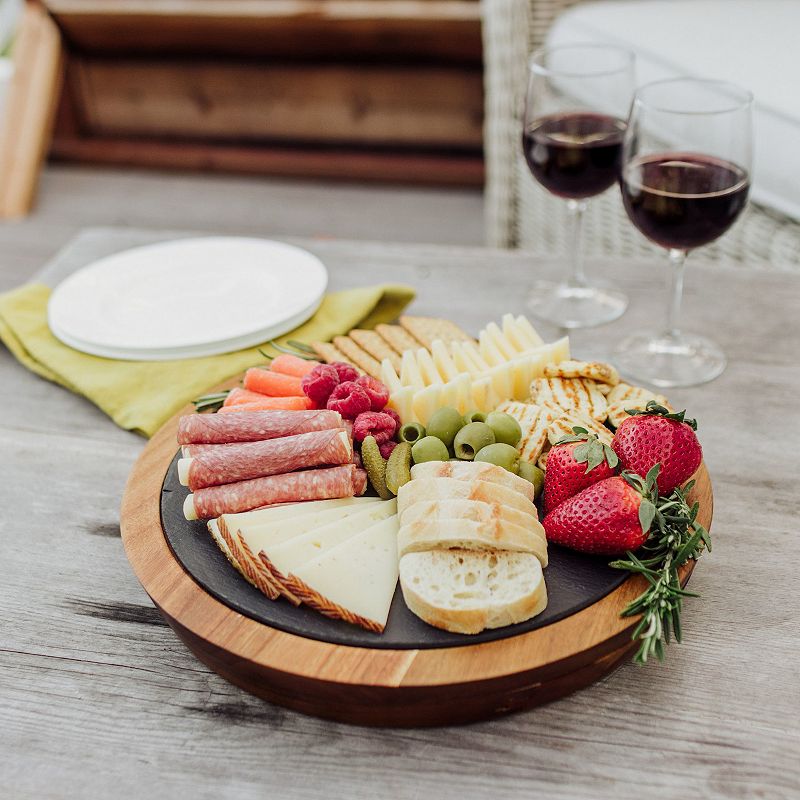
x,y
187,298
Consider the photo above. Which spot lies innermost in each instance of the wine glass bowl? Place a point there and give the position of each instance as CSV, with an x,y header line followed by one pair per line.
x,y
685,180
576,105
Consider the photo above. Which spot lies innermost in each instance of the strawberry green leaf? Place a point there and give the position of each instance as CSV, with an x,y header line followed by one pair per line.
x,y
611,457
647,512
654,409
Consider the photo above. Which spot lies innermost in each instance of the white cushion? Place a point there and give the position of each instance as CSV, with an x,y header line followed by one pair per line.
x,y
753,43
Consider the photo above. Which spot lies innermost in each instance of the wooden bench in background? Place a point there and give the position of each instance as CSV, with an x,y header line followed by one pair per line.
x,y
382,90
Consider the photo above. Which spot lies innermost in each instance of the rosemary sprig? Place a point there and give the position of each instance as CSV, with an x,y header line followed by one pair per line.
x,y
676,536
210,402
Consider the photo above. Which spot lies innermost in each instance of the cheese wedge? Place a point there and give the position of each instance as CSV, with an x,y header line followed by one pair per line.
x,y
469,534
402,401
489,350
427,368
453,489
213,529
272,513
426,401
444,363
409,370
355,581
389,376
529,332
474,471
514,334
283,558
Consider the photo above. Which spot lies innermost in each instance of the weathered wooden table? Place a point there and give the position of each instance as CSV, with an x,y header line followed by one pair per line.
x,y
98,698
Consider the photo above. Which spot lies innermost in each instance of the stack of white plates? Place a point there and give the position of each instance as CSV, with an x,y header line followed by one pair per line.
x,y
187,298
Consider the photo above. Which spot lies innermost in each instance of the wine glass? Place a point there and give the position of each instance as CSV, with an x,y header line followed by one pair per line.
x,y
576,105
685,180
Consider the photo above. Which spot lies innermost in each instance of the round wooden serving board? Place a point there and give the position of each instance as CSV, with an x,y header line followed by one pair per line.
x,y
363,685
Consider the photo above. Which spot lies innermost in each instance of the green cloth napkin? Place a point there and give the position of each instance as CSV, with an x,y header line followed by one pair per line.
x,y
141,395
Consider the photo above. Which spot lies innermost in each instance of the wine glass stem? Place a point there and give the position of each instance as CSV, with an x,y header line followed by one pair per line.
x,y
677,259
577,278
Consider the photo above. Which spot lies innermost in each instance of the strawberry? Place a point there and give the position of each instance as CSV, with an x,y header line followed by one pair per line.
x,y
573,463
606,518
655,436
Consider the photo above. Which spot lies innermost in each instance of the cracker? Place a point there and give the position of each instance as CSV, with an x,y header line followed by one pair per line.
x,y
594,370
398,338
428,329
361,358
376,346
330,353
571,394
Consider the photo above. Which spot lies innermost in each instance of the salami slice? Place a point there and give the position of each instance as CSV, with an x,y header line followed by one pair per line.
x,y
253,426
311,484
243,462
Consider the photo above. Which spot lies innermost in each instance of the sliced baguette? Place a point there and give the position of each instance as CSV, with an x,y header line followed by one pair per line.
x,y
470,534
473,471
470,509
453,489
467,591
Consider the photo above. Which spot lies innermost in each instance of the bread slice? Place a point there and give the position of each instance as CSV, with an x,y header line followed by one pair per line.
x,y
473,471
478,510
453,489
470,534
466,591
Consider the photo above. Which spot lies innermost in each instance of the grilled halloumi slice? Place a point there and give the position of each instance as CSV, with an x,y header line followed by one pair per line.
x,y
534,421
562,426
624,396
571,394
594,370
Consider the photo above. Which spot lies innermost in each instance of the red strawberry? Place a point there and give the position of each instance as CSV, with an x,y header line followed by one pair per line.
x,y
606,518
574,463
655,436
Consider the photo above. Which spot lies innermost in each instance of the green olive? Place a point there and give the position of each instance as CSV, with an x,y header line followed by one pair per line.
x,y
506,428
444,424
411,432
429,448
472,438
504,455
532,473
474,416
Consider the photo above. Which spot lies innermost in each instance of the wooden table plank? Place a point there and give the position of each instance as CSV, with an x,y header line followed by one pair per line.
x,y
94,680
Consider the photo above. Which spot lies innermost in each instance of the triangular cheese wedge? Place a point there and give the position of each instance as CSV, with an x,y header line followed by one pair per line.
x,y
355,581
272,513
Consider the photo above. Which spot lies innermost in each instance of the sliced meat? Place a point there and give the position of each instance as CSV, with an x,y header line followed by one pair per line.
x,y
253,426
271,457
312,484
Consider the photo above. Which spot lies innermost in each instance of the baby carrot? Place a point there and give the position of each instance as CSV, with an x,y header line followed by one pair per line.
x,y
271,404
271,383
292,365
238,396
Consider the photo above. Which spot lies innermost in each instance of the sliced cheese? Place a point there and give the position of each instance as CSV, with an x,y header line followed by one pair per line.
x,y
289,555
409,370
426,401
529,332
389,376
213,529
483,397
489,351
461,359
301,520
402,401
559,350
441,358
514,334
500,341
427,367
502,379
272,513
355,581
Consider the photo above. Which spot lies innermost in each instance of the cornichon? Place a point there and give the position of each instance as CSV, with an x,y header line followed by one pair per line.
x,y
398,468
375,465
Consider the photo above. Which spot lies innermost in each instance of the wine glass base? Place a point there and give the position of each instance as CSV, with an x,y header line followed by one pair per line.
x,y
575,307
668,361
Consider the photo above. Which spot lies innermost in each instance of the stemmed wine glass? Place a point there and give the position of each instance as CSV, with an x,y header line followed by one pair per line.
x,y
576,105
685,179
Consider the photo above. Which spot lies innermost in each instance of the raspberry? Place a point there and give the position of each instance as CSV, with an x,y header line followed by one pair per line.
x,y
319,383
378,393
387,447
374,423
346,372
395,416
349,399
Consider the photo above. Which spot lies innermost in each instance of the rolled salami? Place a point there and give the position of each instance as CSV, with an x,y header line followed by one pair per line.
x,y
243,462
311,484
253,426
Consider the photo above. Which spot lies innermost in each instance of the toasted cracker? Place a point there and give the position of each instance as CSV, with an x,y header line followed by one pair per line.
x,y
594,370
624,396
360,357
330,353
397,337
563,427
571,394
376,346
428,329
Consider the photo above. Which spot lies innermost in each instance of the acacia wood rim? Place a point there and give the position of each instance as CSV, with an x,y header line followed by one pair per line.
x,y
291,670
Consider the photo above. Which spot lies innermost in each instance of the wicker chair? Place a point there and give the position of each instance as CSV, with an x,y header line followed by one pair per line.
x,y
519,213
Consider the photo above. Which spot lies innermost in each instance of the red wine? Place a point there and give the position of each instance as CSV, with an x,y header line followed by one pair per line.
x,y
683,200
574,155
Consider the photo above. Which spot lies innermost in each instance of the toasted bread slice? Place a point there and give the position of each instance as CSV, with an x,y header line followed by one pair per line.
x,y
473,471
594,370
453,489
470,534
466,591
571,394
